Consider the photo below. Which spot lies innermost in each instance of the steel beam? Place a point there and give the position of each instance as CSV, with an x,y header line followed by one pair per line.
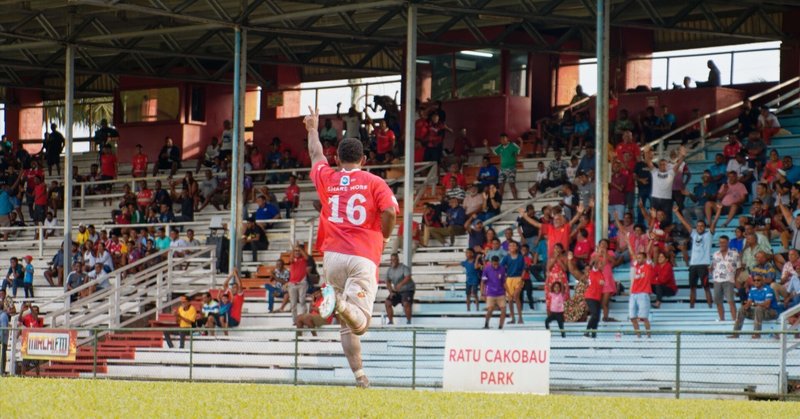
x,y
69,103
601,122
409,105
237,153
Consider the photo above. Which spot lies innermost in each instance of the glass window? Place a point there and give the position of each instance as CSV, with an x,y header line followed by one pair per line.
x,y
518,75
756,66
477,73
441,75
150,105
659,73
697,68
198,104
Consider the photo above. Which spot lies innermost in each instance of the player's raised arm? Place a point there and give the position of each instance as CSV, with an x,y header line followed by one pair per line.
x,y
311,121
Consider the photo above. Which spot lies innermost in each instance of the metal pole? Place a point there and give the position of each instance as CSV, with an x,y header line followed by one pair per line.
x,y
94,355
678,365
601,122
296,355
782,373
237,154
191,355
409,105
414,361
69,98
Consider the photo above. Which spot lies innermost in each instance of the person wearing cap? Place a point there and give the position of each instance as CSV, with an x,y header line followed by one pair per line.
x,y
139,163
27,279
476,232
761,305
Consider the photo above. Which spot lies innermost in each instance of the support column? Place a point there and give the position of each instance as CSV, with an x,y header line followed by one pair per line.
x,y
69,99
408,131
601,123
237,153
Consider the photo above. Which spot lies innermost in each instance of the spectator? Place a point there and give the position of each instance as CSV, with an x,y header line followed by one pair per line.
x,y
15,276
514,265
579,95
437,130
555,308
472,269
639,301
144,198
700,258
756,148
714,76
492,200
233,295
328,131
703,194
616,190
75,279
212,152
528,231
556,172
581,134
487,174
291,199
772,166
226,146
724,265
663,177
352,122
731,197
651,124
663,283
456,219
5,319
313,319
162,242
495,249
768,125
623,123
558,232
508,153
169,158
104,134
32,319
454,191
473,201
539,181
476,232
493,288
27,281
209,313
791,171
385,140
298,286
266,209
790,280
454,173
53,146
99,274
186,315
255,238
401,289
595,281
139,163
277,286
760,305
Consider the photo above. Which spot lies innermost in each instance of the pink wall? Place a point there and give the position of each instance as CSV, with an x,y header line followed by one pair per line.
x,y
24,124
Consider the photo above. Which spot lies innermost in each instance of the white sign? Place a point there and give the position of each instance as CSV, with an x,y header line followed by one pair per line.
x,y
505,361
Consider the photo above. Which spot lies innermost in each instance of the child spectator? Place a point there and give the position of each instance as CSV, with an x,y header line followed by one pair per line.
x,y
28,278
555,308
493,287
472,269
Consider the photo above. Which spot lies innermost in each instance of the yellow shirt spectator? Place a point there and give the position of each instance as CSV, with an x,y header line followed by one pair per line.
x,y
82,238
189,313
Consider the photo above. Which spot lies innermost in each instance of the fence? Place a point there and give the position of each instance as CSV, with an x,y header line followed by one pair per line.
x,y
671,364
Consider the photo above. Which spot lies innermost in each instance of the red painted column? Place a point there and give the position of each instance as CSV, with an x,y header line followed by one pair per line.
x,y
24,122
790,48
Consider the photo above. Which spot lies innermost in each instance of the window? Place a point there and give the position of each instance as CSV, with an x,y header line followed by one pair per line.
x,y
197,111
150,105
441,76
477,73
518,75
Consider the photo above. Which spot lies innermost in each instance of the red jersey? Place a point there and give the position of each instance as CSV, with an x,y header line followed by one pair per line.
x,y
29,321
421,127
30,177
108,165
436,134
633,154
384,141
731,150
643,276
237,302
139,165
298,270
460,180
352,203
583,248
556,235
664,275
40,195
595,289
144,198
293,194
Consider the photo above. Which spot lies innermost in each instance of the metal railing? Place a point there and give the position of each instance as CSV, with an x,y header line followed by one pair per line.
x,y
787,328
670,363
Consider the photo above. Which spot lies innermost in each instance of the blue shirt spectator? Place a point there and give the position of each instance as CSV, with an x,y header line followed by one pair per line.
x,y
6,206
587,162
513,265
29,274
792,174
473,274
718,172
541,250
760,295
456,216
703,192
487,175
267,212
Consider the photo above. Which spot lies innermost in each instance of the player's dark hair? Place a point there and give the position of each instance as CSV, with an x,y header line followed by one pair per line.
x,y
350,151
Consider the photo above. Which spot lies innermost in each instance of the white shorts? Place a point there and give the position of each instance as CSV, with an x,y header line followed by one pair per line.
x,y
639,306
353,276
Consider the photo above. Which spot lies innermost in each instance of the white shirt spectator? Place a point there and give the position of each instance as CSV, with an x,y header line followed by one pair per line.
x,y
662,182
724,267
770,121
103,277
741,169
212,152
52,223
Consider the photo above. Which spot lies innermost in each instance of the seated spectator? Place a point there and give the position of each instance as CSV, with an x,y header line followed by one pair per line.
x,y
668,120
165,214
556,173
730,197
97,273
313,320
651,124
144,198
207,190
453,191
663,283
209,313
232,301
291,197
255,238
623,123
401,289
791,171
761,305
32,319
456,218
732,148
169,158
186,316
454,173
277,286
266,209
581,133
75,279
487,174
768,124
790,282
692,132
756,148
704,193
719,170
473,201
491,204
539,180
773,164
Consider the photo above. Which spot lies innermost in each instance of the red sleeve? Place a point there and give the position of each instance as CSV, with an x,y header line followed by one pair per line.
x,y
319,171
384,198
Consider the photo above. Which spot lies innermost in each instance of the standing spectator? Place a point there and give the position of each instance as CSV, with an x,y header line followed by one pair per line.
x,y
639,302
768,124
493,288
700,258
703,193
169,158
298,286
472,269
186,315
39,202
108,170
401,289
555,308
724,265
594,280
291,199
487,174
508,153
528,231
5,319
663,177
760,305
139,163
144,198
27,281
227,140
558,232
514,265
616,191
104,135
492,200
556,172
434,143
644,185
352,122
384,139
53,146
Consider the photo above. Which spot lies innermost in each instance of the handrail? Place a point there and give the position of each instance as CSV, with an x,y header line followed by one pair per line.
x,y
660,140
522,205
783,319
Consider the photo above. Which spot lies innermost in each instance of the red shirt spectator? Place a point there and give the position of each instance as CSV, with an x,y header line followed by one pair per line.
x,y
595,289
384,138
297,271
557,235
30,177
460,180
144,198
40,194
139,165
732,148
293,194
583,249
32,319
664,275
108,165
643,276
421,127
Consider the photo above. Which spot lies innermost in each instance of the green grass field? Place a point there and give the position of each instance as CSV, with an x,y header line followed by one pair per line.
x,y
26,398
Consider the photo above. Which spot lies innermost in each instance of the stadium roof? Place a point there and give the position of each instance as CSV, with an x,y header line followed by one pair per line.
x,y
192,40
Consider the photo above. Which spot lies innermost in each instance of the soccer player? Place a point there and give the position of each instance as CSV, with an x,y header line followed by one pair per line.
x,y
358,212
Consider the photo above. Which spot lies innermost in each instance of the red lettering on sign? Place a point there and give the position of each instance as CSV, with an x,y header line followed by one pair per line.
x,y
497,378
515,356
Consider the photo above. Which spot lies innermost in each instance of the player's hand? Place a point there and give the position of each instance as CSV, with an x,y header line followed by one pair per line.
x,y
311,121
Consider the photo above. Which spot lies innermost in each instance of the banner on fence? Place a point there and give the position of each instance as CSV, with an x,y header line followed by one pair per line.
x,y
49,344
505,361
